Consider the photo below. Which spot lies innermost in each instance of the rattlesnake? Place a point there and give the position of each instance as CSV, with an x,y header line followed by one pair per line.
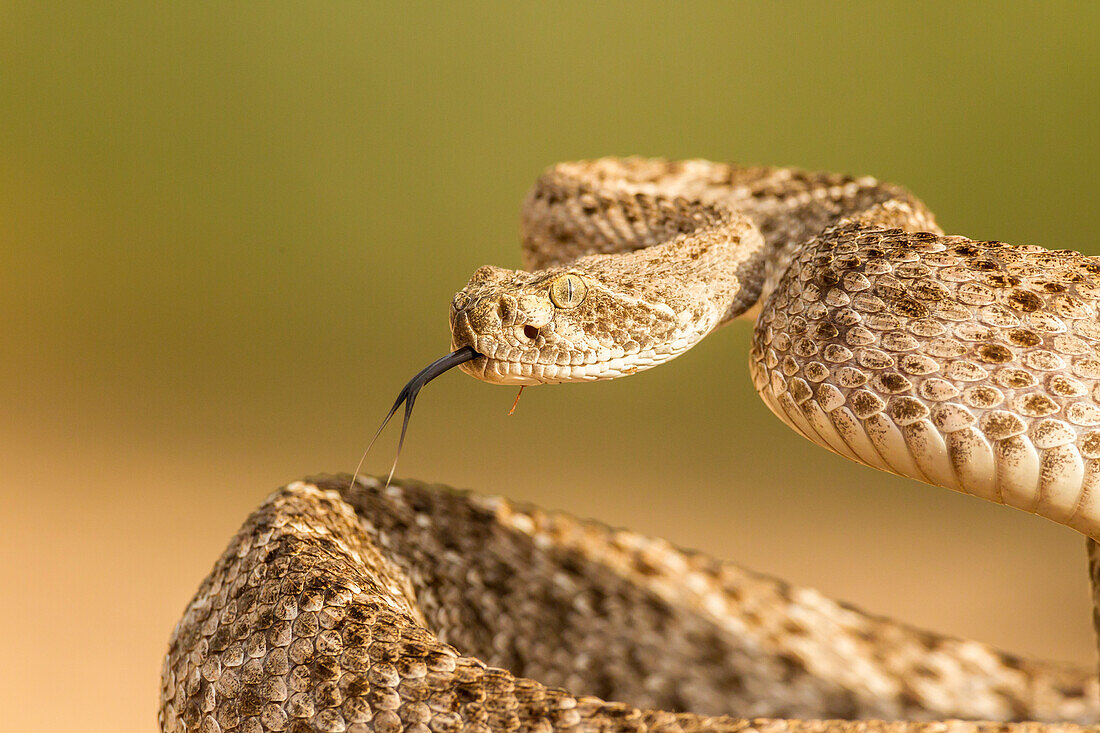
x,y
970,365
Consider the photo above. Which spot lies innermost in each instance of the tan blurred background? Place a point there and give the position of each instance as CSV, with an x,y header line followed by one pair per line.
x,y
229,233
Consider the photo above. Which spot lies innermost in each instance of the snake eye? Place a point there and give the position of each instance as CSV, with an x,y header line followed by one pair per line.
x,y
568,291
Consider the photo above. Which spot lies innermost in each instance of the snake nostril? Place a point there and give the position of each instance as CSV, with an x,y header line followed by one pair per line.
x,y
530,331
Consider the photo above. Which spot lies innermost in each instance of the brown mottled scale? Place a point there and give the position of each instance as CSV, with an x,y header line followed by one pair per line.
x,y
969,365
420,608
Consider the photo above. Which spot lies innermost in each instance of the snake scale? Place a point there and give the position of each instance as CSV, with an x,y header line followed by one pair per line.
x,y
371,606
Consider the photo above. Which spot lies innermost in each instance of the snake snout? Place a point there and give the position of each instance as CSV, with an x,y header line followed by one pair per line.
x,y
484,316
462,331
484,325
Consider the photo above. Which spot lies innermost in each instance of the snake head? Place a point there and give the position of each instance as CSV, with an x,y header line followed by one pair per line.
x,y
563,324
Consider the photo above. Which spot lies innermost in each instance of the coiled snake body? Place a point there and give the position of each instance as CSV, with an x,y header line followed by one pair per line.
x,y
969,365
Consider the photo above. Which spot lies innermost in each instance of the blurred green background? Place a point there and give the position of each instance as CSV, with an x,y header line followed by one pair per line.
x,y
230,232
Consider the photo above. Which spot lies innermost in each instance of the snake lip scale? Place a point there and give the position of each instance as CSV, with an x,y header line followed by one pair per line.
x,y
975,366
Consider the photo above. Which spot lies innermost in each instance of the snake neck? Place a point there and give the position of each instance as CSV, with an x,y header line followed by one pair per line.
x,y
792,224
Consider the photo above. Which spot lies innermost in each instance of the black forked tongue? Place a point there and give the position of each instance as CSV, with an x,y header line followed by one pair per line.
x,y
408,396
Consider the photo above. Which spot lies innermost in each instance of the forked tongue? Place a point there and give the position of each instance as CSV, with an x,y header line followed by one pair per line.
x,y
408,396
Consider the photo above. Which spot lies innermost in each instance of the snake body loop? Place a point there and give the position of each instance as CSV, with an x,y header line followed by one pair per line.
x,y
969,365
